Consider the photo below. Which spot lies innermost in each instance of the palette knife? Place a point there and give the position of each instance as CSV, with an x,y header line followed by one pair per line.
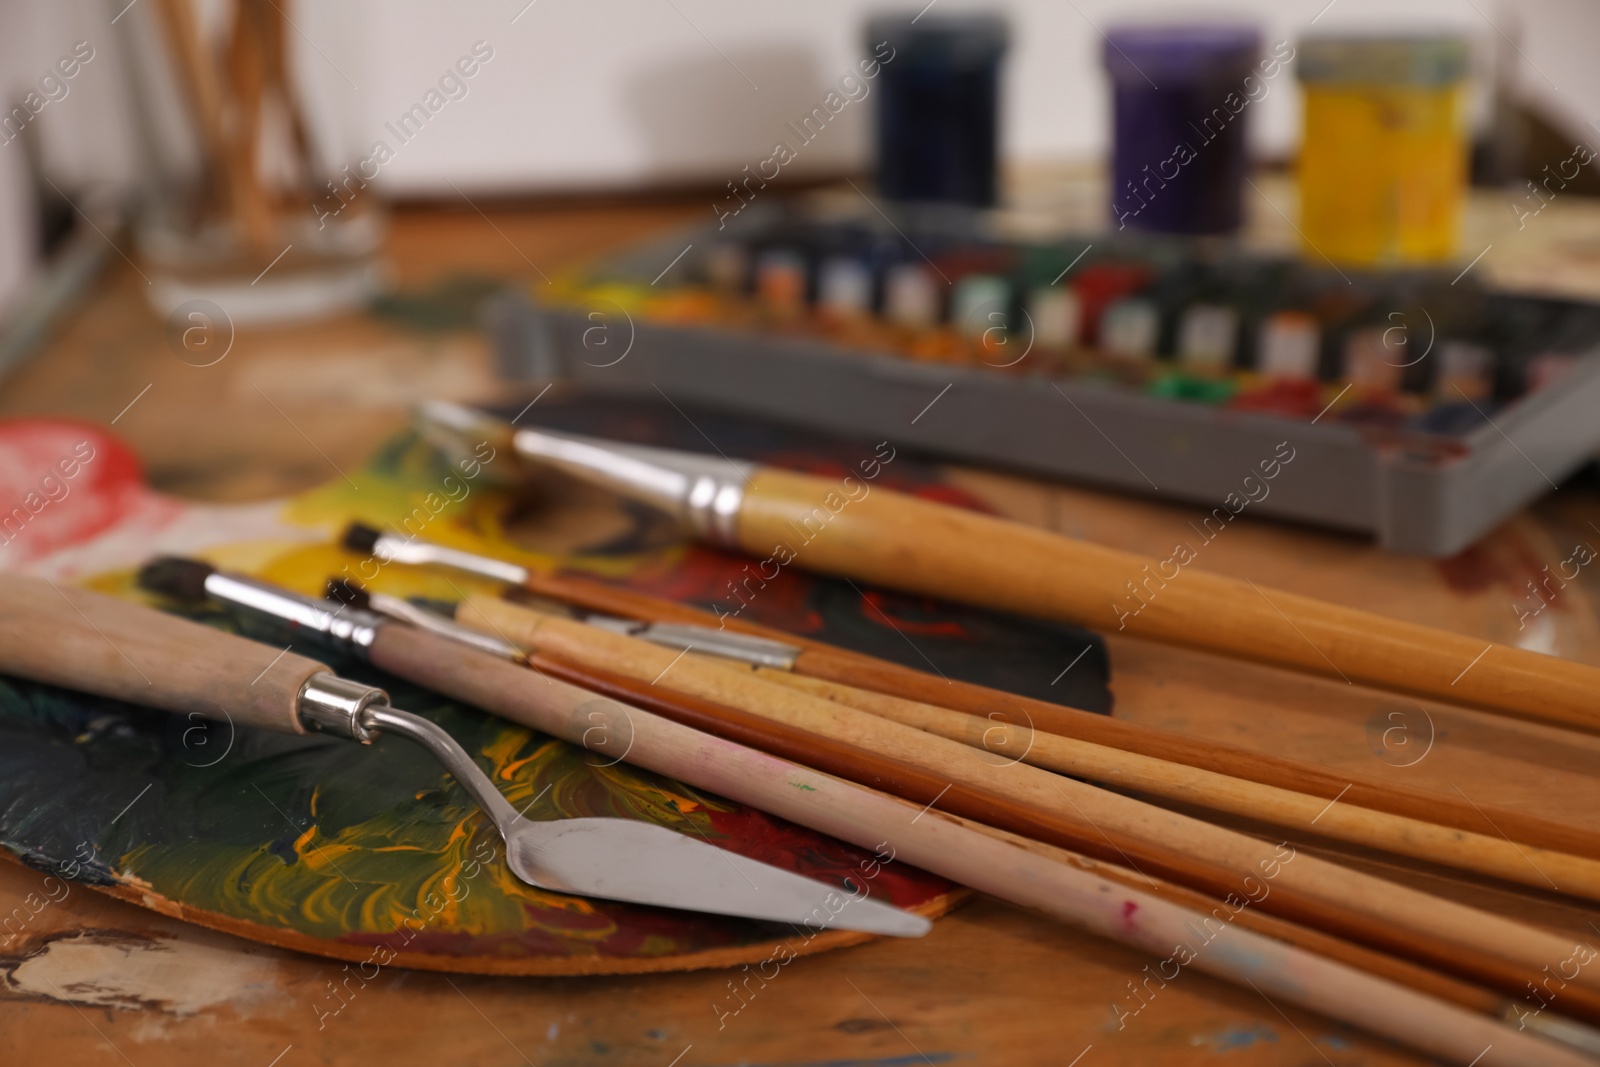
x,y
88,641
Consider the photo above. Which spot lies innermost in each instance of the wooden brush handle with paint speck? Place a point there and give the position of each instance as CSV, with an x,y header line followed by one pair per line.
x,y
901,542
1349,902
827,663
1055,882
83,640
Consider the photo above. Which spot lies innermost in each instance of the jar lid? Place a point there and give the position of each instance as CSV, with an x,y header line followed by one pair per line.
x,y
1179,52
964,40
1423,59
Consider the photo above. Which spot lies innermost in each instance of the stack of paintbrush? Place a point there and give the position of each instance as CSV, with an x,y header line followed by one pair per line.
x,y
953,778
1057,810
1001,761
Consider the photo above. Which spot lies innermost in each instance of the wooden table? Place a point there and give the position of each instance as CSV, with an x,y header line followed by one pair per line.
x,y
91,980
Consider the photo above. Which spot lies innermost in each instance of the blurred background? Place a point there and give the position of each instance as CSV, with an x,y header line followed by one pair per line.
x,y
649,94
1210,208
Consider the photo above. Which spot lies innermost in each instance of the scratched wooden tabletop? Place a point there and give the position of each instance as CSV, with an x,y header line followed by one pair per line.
x,y
89,980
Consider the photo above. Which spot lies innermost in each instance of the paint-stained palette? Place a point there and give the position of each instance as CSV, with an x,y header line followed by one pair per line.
x,y
374,854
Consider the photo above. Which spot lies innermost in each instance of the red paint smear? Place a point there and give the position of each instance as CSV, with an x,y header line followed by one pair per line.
x,y
102,492
1505,560
943,628
770,839
1472,570
704,575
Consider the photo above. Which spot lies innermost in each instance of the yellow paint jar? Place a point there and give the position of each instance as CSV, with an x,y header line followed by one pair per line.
x,y
1383,162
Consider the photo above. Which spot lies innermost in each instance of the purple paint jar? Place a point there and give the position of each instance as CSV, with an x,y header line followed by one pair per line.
x,y
1181,100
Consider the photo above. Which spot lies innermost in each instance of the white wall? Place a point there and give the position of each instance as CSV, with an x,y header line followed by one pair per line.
x,y
629,91
586,94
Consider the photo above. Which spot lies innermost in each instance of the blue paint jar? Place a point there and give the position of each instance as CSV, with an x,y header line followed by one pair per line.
x,y
1181,101
938,110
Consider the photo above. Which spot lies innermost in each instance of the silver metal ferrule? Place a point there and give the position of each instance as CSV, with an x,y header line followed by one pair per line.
x,y
423,619
745,648
688,637
333,626
338,706
676,636
392,549
704,493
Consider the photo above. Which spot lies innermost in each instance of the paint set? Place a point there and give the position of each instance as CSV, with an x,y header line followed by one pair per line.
x,y
1421,353
1133,360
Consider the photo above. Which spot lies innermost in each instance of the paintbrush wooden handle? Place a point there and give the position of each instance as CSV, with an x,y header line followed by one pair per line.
x,y
99,644
1499,857
823,661
911,783
1371,909
1012,868
898,541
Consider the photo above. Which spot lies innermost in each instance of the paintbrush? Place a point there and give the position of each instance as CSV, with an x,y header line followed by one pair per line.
x,y
1050,880
910,782
873,759
769,651
851,528
619,859
1496,856
1344,820
1376,911
681,627
930,790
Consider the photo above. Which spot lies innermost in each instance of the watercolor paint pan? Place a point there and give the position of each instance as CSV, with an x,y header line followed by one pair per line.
x,y
1392,445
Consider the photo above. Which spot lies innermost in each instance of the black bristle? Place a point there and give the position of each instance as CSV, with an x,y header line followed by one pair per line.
x,y
178,579
347,592
359,538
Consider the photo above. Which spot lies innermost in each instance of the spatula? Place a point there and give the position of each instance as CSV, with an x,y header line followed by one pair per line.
x,y
99,644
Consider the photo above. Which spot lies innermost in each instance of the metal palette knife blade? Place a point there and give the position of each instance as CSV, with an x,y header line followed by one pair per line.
x,y
621,859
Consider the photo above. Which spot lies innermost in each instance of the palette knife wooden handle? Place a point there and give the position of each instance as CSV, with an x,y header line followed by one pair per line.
x,y
88,641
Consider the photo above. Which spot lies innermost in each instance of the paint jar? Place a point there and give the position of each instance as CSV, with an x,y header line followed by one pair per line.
x,y
938,106
727,265
1286,356
1383,165
1181,101
1098,286
1287,347
781,282
1207,334
909,296
1055,316
1129,329
1466,372
979,304
844,289
1371,362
